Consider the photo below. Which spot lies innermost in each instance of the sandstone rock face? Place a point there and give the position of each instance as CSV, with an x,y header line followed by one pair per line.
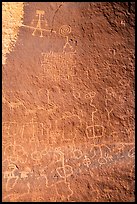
x,y
68,101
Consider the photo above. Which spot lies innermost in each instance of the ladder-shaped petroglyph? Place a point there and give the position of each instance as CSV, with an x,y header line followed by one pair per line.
x,y
39,24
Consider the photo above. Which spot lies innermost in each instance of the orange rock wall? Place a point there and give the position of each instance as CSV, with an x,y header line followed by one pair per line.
x,y
68,101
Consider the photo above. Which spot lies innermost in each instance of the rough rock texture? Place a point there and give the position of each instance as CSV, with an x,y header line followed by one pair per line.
x,y
68,102
12,15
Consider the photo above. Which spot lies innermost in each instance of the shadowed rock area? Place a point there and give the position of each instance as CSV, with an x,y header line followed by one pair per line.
x,y
68,101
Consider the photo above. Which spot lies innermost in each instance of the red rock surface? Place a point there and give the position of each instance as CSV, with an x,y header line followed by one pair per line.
x,y
68,102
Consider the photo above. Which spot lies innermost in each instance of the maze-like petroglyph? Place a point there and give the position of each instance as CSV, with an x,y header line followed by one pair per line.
x,y
58,66
68,126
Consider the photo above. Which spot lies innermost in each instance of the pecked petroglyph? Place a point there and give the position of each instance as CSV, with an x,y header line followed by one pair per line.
x,y
67,97
39,24
64,31
58,172
62,66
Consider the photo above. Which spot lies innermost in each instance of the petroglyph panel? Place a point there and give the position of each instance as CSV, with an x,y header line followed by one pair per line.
x,y
68,102
63,66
